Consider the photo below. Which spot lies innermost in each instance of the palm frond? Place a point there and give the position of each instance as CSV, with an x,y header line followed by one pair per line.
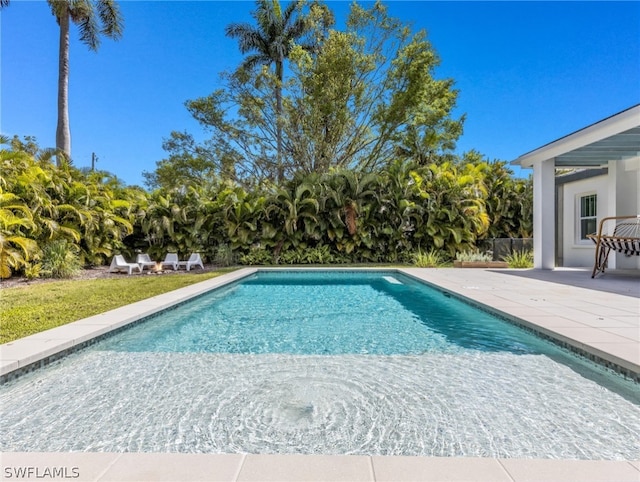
x,y
253,61
112,21
83,14
239,30
288,12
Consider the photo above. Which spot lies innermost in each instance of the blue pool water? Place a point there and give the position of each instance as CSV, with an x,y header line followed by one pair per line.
x,y
325,363
321,313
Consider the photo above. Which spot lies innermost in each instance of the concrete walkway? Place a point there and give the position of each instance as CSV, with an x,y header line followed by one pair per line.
x,y
600,317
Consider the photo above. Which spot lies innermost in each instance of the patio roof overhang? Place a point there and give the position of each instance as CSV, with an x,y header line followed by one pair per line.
x,y
612,139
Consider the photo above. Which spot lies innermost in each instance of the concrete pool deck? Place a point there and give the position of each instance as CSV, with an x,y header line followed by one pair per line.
x,y
600,317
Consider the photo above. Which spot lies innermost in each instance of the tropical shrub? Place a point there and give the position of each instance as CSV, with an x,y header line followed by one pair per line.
x,y
60,259
223,255
453,207
474,256
430,259
404,212
508,206
520,259
32,270
343,215
316,255
41,202
16,221
258,256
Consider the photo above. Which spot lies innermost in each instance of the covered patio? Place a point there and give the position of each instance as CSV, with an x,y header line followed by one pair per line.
x,y
605,158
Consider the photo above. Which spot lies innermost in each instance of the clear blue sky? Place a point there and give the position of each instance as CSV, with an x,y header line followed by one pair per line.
x,y
528,72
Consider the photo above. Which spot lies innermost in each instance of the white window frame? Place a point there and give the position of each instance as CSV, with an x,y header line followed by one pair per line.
x,y
579,240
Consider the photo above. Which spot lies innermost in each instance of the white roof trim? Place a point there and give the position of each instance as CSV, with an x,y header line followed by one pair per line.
x,y
611,126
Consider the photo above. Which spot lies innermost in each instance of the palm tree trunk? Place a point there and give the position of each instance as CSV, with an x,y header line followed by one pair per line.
x,y
279,166
280,78
63,133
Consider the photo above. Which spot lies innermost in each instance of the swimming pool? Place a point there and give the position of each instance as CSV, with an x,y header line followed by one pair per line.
x,y
384,365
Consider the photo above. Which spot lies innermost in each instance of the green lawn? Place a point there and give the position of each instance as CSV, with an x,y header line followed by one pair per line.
x,y
25,310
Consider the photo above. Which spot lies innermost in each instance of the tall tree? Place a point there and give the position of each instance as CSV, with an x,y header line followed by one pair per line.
x,y
188,164
93,18
369,96
360,98
270,42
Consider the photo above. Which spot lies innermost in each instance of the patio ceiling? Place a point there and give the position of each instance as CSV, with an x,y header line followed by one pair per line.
x,y
612,139
598,154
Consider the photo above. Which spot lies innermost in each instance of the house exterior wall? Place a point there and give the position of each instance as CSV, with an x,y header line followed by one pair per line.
x,y
624,180
576,252
628,203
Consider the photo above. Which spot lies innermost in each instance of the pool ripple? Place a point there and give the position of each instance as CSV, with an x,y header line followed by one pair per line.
x,y
469,404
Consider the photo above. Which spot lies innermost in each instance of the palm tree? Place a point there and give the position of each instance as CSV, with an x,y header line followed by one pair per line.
x,y
270,43
94,18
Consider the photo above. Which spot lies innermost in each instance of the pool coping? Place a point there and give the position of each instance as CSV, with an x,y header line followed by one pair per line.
x,y
480,287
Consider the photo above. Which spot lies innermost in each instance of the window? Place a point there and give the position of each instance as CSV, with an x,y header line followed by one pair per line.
x,y
588,215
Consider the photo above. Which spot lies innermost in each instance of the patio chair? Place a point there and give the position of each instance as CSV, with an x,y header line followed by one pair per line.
x,y
144,261
171,259
194,260
118,263
625,238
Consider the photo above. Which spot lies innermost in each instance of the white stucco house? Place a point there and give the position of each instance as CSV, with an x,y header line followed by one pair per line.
x,y
579,179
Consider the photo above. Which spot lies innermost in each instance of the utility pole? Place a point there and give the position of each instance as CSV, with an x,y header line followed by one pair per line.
x,y
94,159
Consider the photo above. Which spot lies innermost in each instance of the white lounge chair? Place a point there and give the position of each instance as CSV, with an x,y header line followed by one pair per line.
x,y
118,263
194,260
171,259
144,261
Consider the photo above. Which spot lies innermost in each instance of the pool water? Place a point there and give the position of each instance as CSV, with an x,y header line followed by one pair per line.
x,y
320,362
325,313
